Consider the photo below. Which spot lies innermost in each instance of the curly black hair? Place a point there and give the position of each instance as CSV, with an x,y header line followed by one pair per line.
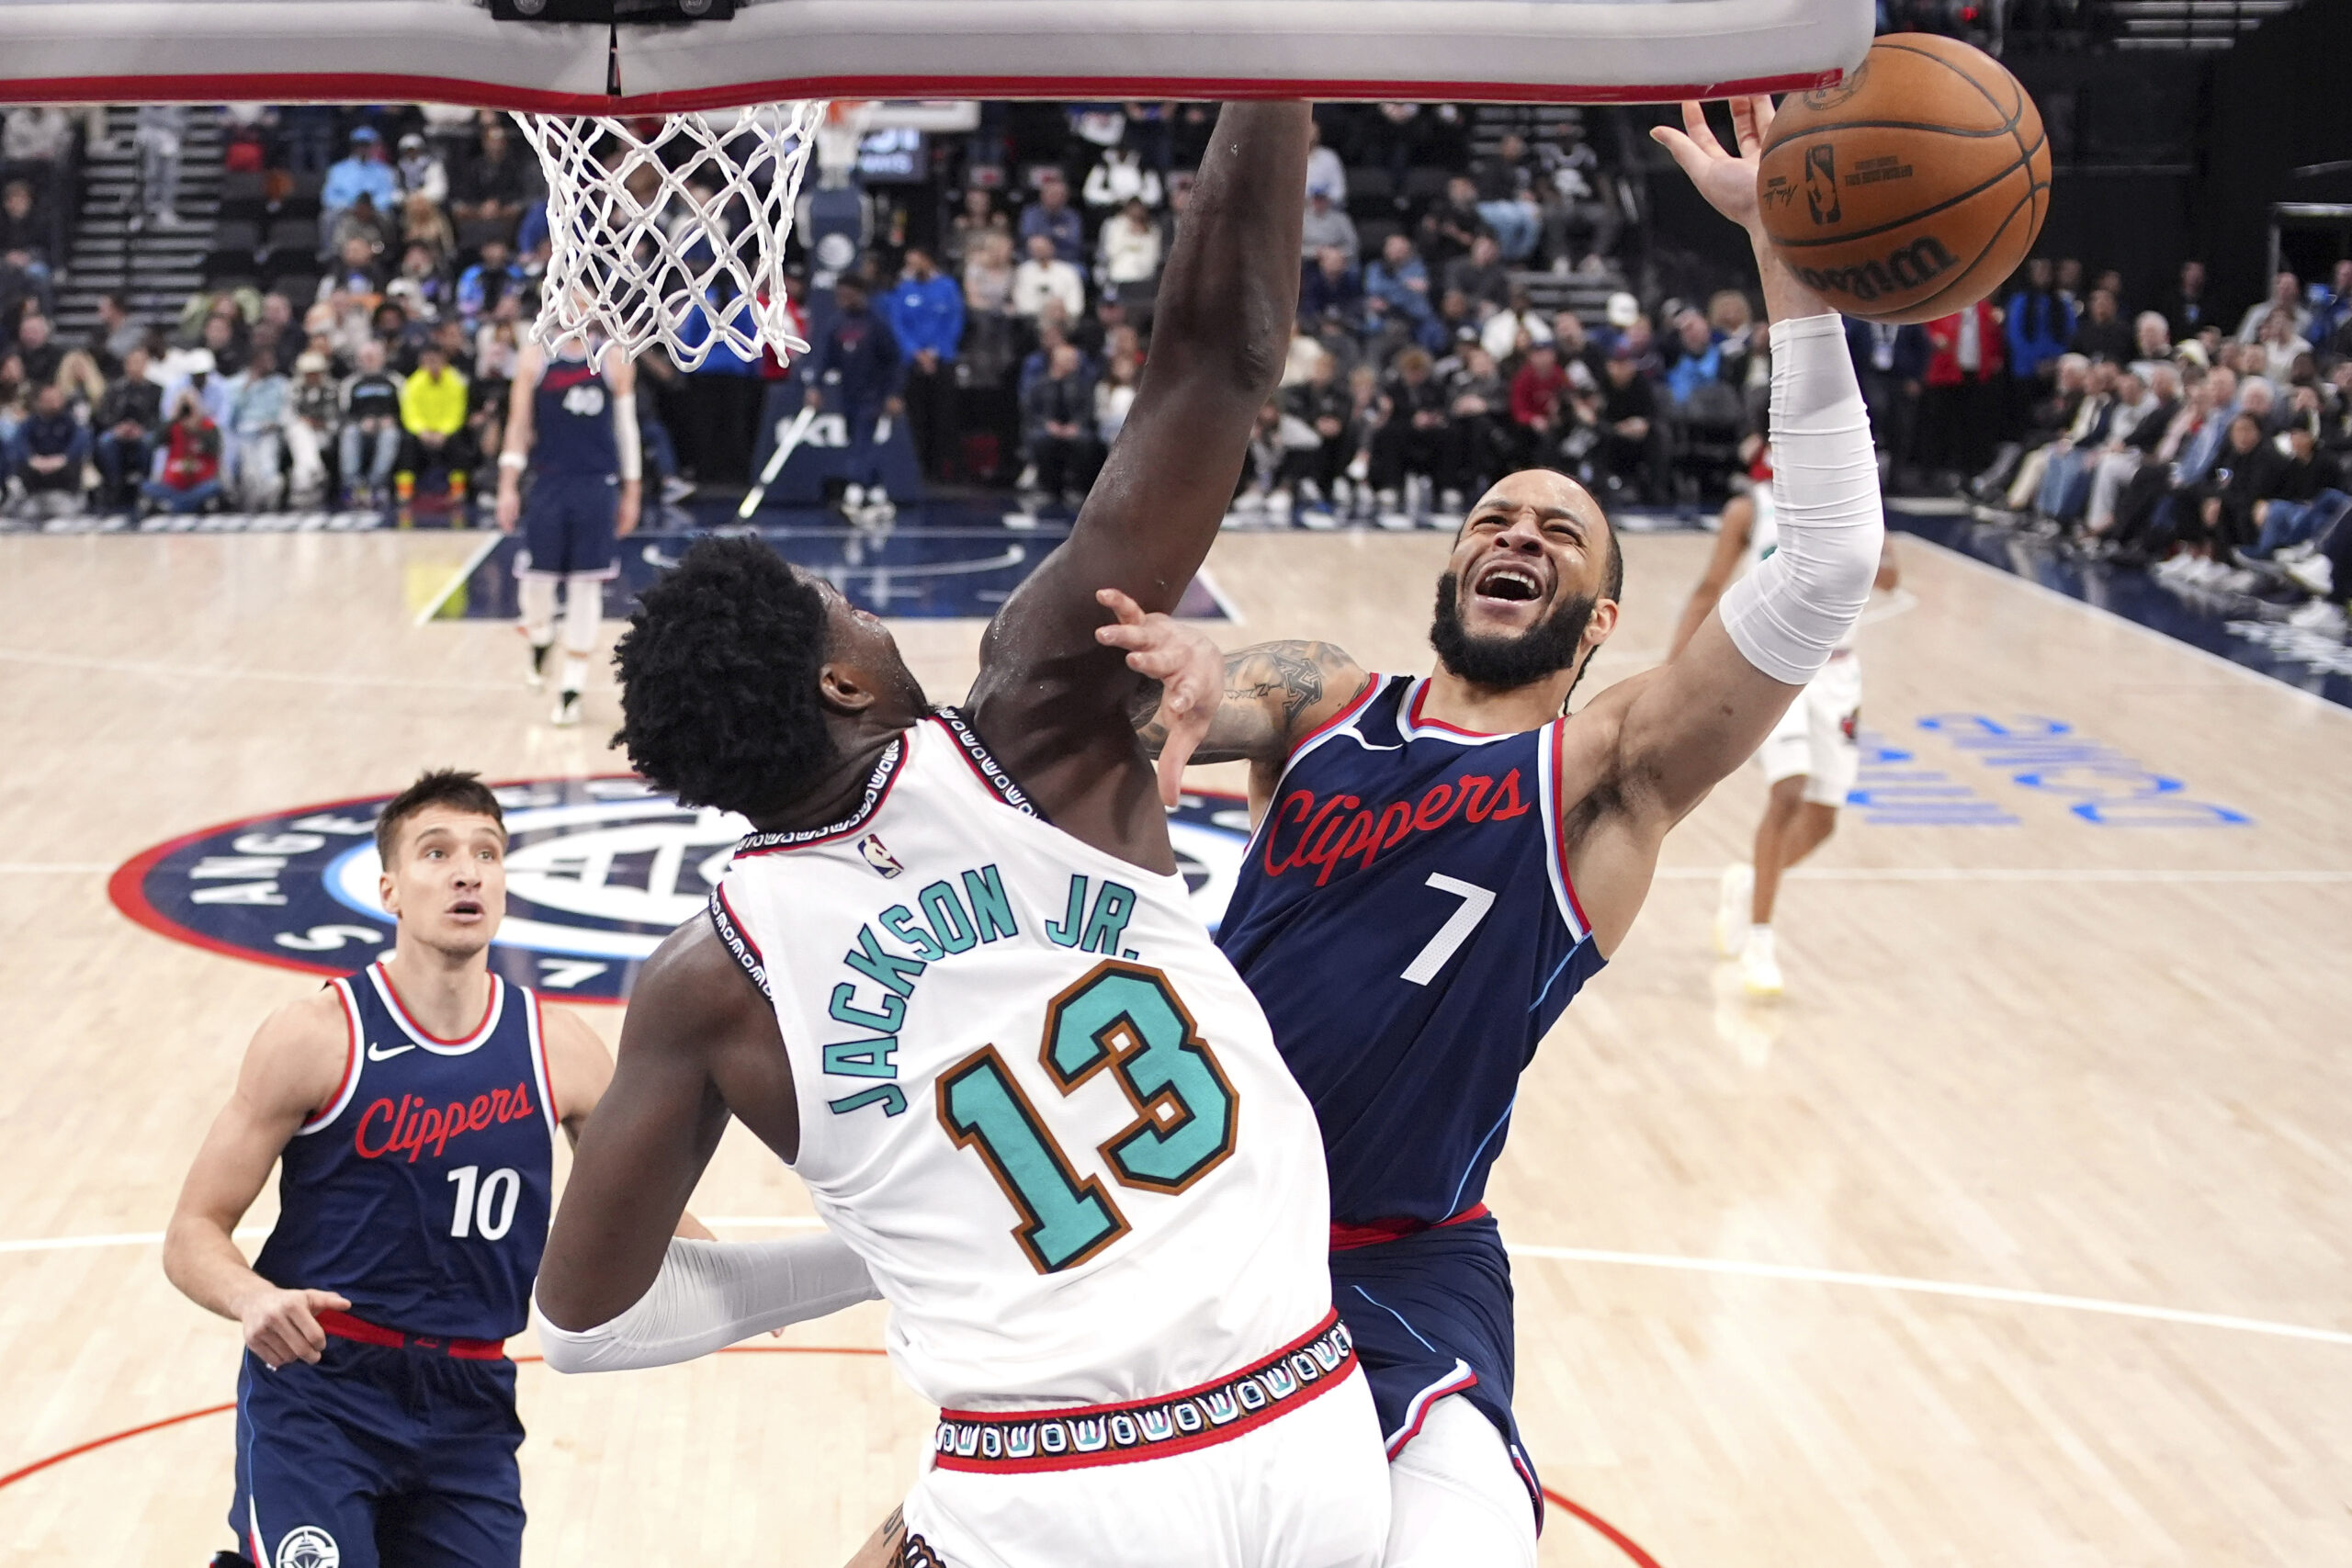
x,y
718,680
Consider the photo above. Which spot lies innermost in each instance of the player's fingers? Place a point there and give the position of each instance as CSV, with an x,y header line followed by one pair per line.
x,y
1119,634
327,1300
1130,613
1685,152
1702,135
302,1330
1182,739
1759,108
1743,128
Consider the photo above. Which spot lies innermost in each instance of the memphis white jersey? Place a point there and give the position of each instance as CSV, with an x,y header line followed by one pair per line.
x,y
1764,537
1034,1095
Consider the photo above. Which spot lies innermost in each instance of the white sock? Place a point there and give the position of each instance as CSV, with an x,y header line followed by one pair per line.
x,y
575,674
536,596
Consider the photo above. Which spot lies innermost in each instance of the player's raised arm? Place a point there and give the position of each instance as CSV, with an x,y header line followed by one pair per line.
x,y
1689,724
1051,700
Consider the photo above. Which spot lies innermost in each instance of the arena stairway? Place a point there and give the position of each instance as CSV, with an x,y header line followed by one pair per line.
x,y
114,244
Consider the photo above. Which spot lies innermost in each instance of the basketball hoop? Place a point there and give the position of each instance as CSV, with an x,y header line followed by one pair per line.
x,y
672,233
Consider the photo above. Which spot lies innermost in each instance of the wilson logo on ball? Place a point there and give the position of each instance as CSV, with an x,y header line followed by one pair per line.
x,y
1920,261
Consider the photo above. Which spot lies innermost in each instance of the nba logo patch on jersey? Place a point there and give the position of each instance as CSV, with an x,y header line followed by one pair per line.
x,y
879,855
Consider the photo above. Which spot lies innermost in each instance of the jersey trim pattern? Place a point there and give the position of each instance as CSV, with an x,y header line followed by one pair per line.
x,y
1082,1437
354,1061
1548,761
746,951
1417,1411
1413,727
984,765
430,1041
537,1023
877,789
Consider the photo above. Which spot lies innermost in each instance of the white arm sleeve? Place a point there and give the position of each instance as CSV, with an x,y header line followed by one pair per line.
x,y
709,1295
624,437
1788,613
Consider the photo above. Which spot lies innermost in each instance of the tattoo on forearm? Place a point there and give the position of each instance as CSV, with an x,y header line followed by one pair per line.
x,y
1294,670
1143,712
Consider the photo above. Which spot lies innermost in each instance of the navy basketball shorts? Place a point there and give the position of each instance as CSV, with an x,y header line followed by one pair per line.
x,y
567,527
379,1457
1431,1316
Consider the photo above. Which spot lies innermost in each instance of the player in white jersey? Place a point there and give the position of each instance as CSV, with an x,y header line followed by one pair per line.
x,y
1811,758
956,981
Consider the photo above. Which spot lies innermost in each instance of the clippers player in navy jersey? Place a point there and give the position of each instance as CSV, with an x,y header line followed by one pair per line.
x,y
411,1109
1440,862
573,428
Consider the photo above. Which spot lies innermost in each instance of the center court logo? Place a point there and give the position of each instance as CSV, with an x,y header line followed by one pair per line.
x,y
598,871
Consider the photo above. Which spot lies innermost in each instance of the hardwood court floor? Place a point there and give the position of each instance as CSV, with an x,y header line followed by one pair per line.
x,y
2050,1059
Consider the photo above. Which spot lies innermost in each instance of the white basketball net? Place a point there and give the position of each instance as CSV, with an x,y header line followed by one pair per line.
x,y
674,237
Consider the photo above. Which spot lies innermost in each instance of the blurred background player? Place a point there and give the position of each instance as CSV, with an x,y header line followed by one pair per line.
x,y
574,427
1811,758
413,1106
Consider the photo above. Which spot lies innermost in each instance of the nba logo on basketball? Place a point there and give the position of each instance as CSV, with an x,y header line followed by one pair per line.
x,y
1821,183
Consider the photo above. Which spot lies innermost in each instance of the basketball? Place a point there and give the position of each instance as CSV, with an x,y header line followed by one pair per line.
x,y
1913,188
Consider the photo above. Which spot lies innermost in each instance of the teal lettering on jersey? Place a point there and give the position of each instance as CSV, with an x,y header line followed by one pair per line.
x,y
948,925
1064,931
1098,929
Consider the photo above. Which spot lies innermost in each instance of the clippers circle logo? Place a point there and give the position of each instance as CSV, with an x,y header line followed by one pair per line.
x,y
308,1547
598,871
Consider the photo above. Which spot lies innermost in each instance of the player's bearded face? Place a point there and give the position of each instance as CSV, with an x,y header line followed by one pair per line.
x,y
1517,659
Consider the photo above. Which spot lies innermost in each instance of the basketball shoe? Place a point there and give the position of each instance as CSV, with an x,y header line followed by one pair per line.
x,y
1759,971
567,710
1732,898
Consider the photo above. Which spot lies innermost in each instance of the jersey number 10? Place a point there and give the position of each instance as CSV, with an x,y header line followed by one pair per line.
x,y
486,1208
1126,1018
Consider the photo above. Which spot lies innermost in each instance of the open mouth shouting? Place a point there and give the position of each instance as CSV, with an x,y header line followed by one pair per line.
x,y
1508,584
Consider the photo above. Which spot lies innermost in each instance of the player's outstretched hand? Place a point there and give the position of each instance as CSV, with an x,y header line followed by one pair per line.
x,y
1191,672
1728,181
283,1326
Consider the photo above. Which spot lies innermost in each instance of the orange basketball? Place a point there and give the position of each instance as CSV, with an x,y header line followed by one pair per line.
x,y
1911,189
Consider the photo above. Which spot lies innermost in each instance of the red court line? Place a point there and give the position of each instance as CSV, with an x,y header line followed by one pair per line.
x,y
1615,1537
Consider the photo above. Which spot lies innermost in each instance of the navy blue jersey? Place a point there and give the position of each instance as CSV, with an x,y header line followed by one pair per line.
x,y
1405,917
571,423
421,1194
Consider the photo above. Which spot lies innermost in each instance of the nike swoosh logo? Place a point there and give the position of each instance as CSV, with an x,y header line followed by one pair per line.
x,y
378,1053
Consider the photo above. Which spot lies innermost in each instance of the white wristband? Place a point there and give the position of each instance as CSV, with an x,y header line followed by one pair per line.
x,y
515,460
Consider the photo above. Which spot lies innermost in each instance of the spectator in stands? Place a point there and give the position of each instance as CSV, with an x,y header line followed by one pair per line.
x,y
118,331
2101,333
1330,288
421,173
1536,393
2185,309
35,134
1960,405
424,224
488,198
2306,494
2071,477
926,315
2151,340
2286,299
2157,429
1396,293
16,394
312,408
2330,314
39,348
498,340
2075,415
2219,522
363,220
2040,323
1480,274
160,130
186,475
1120,178
1324,170
1581,215
46,454
127,422
27,237
371,435
357,272
1632,454
1046,277
228,340
1509,333
1575,345
434,405
253,451
494,277
2280,347
1057,423
1506,199
978,219
1115,395
1891,362
1452,224
362,172
1052,217
421,284
1128,251
1319,402
1327,225
1409,449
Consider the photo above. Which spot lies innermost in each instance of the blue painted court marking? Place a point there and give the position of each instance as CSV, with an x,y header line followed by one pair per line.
x,y
943,560
2224,625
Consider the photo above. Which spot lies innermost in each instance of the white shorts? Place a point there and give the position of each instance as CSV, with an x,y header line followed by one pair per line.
x,y
1307,1490
1816,738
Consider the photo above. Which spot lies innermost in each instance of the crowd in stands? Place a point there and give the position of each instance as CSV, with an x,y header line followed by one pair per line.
x,y
1009,322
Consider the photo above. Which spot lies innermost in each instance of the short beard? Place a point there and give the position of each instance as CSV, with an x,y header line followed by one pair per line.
x,y
1506,663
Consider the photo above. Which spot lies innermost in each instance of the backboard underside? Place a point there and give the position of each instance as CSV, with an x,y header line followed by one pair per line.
x,y
453,51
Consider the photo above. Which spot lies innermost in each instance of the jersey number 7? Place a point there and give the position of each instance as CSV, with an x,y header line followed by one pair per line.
x,y
1127,1020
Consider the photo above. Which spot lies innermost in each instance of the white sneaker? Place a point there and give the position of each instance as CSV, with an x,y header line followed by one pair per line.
x,y
1759,972
852,498
1278,505
567,710
2319,615
1735,898
538,679
2317,573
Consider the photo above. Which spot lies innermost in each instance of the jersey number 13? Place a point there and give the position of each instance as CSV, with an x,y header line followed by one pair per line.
x,y
1126,1019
